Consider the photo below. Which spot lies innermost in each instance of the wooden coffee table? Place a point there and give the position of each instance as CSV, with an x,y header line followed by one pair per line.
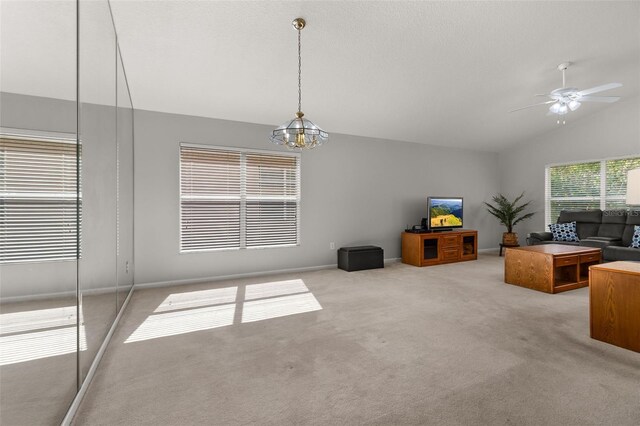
x,y
551,268
614,300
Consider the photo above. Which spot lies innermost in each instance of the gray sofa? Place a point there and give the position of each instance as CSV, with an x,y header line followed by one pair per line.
x,y
610,230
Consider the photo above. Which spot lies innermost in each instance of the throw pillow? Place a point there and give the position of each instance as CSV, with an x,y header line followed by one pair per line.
x,y
635,240
564,231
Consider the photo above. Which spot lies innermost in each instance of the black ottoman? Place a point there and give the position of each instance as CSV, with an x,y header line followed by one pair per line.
x,y
360,258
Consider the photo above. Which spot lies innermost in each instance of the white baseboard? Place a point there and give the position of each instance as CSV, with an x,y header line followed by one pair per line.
x,y
245,275
491,249
73,409
59,295
37,297
98,291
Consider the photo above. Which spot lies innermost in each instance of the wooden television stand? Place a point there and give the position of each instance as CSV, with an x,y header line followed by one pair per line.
x,y
435,248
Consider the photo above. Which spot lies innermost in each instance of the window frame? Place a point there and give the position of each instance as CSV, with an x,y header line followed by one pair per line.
x,y
601,198
54,137
243,197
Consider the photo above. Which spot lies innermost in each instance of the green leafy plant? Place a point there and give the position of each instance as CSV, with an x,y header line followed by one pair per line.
x,y
509,213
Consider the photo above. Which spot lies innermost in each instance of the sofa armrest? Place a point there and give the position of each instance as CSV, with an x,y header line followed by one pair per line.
x,y
538,237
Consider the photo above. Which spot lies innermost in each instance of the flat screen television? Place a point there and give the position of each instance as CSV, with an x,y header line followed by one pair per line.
x,y
444,213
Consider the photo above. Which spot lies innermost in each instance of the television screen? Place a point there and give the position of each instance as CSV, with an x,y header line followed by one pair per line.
x,y
445,212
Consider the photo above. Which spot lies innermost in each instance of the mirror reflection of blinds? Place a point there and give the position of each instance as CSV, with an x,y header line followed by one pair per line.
x,y
237,199
38,200
590,185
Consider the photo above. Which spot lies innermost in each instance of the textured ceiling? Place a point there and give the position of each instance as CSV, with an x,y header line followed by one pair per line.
x,y
443,73
38,48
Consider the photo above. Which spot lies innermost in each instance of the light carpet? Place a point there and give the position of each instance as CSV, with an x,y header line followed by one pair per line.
x,y
443,345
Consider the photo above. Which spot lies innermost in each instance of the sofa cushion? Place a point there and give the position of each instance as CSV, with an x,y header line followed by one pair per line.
x,y
600,242
587,221
635,239
617,216
611,230
564,231
613,223
606,239
586,230
584,216
633,218
613,253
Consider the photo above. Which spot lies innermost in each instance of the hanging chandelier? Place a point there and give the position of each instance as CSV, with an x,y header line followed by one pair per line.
x,y
299,133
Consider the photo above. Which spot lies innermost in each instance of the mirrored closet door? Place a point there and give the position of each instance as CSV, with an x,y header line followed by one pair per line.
x,y
66,200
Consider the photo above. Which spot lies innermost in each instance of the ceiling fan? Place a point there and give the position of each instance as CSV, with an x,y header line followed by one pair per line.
x,y
567,99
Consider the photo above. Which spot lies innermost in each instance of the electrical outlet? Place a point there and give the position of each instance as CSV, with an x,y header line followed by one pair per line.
x,y
332,246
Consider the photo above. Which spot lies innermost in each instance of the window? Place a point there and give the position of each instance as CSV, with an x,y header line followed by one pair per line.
x,y
38,200
592,185
233,198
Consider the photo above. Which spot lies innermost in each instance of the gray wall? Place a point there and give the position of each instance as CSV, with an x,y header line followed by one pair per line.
x,y
614,132
97,267
355,191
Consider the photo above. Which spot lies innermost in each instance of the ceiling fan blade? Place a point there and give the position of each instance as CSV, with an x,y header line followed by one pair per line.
x,y
599,89
529,106
608,99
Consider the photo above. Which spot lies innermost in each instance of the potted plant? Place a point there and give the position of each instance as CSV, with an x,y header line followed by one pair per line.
x,y
509,213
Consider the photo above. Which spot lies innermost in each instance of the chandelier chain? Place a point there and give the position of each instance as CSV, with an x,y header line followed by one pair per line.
x,y
299,133
299,73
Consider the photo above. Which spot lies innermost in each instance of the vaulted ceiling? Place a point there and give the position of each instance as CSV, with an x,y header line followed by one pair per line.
x,y
444,73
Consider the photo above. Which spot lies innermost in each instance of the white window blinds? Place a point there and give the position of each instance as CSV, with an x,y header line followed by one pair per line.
x,y
273,195
238,199
37,200
590,185
210,198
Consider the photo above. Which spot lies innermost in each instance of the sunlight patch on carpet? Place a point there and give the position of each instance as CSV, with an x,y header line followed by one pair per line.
x,y
30,335
195,299
187,312
276,288
279,307
181,322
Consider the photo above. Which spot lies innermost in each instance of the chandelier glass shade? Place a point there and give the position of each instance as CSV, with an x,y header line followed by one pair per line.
x,y
299,132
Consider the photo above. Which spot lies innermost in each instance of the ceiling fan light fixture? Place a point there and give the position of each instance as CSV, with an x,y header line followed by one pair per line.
x,y
574,105
555,108
299,133
566,99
